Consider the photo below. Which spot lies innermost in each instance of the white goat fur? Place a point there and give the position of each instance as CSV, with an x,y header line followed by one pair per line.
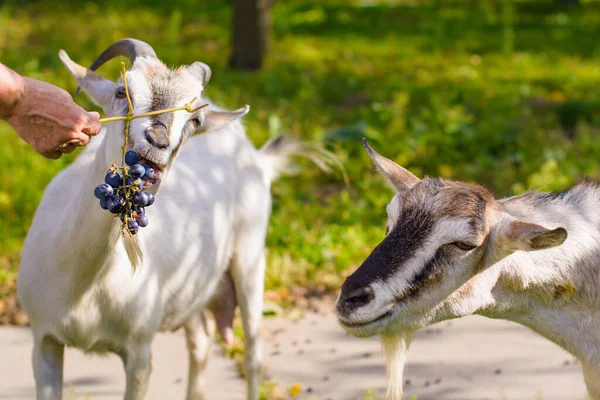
x,y
208,224
555,290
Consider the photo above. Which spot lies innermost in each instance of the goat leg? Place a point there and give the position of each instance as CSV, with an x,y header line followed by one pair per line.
x,y
222,305
48,358
199,334
138,365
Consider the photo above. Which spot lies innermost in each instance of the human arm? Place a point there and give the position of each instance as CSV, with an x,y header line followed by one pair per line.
x,y
43,115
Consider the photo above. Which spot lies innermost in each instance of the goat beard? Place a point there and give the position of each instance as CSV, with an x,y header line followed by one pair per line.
x,y
132,244
395,348
134,251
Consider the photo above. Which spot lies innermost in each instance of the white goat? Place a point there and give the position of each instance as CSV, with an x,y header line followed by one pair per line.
x,y
203,248
452,250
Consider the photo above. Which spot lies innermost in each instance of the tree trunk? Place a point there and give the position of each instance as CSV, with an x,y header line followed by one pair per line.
x,y
251,24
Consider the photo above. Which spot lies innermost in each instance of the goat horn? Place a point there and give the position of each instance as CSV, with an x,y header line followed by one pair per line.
x,y
130,48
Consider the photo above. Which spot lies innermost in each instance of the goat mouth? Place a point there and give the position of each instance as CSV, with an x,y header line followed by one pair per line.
x,y
158,172
354,325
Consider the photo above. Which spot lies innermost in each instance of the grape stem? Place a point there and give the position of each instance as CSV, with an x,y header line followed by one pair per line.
x,y
129,117
187,107
125,227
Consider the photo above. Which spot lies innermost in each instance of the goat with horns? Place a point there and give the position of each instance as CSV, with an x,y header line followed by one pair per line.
x,y
452,250
203,249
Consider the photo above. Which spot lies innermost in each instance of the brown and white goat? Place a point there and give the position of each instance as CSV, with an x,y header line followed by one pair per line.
x,y
452,250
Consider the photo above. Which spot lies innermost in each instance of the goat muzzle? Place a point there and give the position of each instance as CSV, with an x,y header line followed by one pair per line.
x,y
158,136
353,297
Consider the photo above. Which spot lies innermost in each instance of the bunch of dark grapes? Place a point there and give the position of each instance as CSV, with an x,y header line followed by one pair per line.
x,y
122,194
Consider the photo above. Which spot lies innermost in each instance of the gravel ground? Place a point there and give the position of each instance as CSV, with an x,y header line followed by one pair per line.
x,y
471,358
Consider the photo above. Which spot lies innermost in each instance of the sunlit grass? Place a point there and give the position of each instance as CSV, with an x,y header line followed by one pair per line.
x,y
446,88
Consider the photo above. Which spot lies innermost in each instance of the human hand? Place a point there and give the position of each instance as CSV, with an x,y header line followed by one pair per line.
x,y
47,118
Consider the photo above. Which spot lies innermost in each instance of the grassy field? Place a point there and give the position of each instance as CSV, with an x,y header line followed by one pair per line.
x,y
497,92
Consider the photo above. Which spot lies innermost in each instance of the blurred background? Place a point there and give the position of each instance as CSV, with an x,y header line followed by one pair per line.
x,y
498,92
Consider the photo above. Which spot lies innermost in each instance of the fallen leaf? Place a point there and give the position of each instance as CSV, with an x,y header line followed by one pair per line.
x,y
295,390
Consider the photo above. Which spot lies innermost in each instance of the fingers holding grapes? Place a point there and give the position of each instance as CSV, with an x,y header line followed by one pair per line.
x,y
93,125
68,147
49,120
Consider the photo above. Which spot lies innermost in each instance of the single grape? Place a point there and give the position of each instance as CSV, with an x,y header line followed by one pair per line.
x,y
140,199
103,204
149,172
136,182
115,204
137,170
150,199
142,220
139,210
98,194
124,215
103,191
113,179
131,158
133,227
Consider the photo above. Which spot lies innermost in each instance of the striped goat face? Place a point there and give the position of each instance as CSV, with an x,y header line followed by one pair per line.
x,y
439,235
152,86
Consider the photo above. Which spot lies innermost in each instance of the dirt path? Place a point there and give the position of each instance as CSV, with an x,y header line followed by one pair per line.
x,y
102,378
468,359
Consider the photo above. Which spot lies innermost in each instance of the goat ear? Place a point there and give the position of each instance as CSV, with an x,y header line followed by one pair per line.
x,y
214,120
399,178
99,89
200,71
528,237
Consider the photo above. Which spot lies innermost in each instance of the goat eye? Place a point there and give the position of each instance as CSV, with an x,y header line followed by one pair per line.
x,y
195,122
120,93
464,246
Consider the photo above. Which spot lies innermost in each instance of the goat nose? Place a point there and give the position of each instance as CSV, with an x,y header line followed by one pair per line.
x,y
356,299
157,137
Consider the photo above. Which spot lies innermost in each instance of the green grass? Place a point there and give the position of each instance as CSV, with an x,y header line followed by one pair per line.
x,y
488,92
